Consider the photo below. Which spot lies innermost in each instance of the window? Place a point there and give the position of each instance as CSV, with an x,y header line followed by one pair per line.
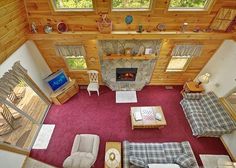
x,y
189,4
74,56
178,63
76,62
129,5
73,5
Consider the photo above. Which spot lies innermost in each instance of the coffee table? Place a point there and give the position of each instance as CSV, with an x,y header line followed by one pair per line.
x,y
148,117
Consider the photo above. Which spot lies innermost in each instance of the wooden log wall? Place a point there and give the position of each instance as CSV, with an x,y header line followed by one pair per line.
x,y
13,27
83,30
159,77
41,12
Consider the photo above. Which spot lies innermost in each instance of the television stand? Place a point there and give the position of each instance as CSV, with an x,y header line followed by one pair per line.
x,y
64,94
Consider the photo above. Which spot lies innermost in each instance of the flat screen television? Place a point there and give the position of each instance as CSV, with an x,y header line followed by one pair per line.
x,y
57,80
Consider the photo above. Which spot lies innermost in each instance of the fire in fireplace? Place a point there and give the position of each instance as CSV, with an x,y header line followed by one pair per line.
x,y
126,74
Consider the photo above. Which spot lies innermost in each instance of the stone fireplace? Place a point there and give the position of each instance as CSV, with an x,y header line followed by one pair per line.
x,y
126,74
131,73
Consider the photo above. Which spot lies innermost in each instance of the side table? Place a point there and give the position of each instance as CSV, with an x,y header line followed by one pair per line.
x,y
113,154
193,87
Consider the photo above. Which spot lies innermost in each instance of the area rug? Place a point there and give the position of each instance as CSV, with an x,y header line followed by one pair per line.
x,y
126,97
44,136
101,115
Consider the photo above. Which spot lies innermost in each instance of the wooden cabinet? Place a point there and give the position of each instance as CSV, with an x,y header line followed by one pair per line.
x,y
64,94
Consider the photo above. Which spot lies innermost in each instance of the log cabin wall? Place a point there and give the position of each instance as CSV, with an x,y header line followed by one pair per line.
x,y
13,27
83,30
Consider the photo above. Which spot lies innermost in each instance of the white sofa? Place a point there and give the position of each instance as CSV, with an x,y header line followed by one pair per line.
x,y
84,151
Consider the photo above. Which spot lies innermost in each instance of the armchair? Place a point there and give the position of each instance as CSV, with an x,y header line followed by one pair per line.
x,y
84,151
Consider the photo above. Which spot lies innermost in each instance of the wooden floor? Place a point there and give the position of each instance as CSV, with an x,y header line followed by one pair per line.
x,y
33,105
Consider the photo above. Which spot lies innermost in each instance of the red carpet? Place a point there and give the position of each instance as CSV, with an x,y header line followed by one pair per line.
x,y
111,121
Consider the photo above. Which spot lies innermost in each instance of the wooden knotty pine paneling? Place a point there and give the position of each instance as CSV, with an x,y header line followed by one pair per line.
x,y
159,77
41,13
41,10
55,62
13,27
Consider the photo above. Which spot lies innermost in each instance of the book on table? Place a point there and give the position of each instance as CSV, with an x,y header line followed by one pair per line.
x,y
138,116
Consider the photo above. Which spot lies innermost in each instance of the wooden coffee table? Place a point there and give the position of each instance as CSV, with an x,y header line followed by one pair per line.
x,y
148,117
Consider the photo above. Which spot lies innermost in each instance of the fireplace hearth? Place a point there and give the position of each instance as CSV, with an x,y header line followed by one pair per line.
x,y
126,74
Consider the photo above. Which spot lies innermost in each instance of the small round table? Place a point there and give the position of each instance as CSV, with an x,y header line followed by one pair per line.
x,y
113,155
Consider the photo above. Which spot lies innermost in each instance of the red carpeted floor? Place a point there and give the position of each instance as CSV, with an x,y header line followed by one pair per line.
x,y
102,116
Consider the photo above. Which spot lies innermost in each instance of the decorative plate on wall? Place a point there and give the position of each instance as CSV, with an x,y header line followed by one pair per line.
x,y
128,19
62,27
47,28
161,27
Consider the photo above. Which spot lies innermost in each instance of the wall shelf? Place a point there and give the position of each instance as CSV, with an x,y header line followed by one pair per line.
x,y
117,56
131,35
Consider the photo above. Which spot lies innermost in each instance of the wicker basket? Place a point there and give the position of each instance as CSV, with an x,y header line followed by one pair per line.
x,y
104,24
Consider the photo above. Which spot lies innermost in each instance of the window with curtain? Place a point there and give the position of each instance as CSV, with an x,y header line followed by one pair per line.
x,y
181,56
178,63
74,57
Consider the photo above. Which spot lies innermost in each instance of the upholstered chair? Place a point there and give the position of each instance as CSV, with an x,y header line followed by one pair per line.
x,y
84,151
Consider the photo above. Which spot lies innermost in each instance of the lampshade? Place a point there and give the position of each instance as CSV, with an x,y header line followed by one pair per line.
x,y
112,158
204,78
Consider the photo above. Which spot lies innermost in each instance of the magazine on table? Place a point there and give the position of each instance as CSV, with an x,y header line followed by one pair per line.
x,y
137,116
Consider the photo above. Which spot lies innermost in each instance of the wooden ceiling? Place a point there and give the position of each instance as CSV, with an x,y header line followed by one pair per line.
x,y
15,21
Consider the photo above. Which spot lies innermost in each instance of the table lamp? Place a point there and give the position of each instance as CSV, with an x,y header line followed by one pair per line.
x,y
203,79
112,158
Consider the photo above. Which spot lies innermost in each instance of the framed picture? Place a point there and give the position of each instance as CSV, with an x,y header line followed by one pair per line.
x,y
148,51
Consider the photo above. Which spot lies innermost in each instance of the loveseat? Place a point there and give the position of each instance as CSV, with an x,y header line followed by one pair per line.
x,y
137,155
206,116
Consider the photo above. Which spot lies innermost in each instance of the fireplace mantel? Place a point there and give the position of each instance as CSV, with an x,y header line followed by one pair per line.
x,y
141,57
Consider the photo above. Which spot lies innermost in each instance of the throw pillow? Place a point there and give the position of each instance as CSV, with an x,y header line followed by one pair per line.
x,y
193,96
185,160
155,153
137,161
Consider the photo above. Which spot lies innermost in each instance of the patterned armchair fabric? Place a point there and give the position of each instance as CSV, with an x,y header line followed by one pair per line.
x,y
137,155
206,116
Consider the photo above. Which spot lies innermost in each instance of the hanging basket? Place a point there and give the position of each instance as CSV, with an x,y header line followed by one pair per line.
x,y
104,24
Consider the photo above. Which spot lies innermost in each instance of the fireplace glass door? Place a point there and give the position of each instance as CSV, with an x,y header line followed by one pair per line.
x,y
126,74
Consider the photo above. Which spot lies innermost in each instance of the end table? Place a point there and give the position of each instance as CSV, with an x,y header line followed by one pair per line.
x,y
113,154
193,87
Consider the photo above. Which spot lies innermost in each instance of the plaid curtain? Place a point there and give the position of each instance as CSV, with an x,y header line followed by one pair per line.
x,y
191,50
70,51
